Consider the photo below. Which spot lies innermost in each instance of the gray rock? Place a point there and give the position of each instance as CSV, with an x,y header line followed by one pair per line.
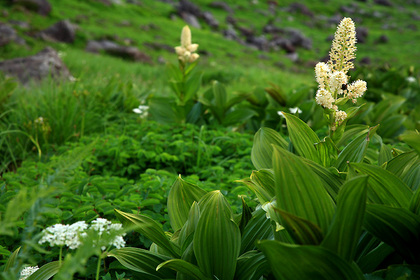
x,y
114,49
383,39
210,20
190,19
62,31
159,46
42,7
8,35
44,64
361,34
294,57
298,39
221,5
300,8
383,3
20,24
230,33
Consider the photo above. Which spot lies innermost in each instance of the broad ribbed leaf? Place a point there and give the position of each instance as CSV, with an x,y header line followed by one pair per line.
x,y
355,151
412,138
299,191
346,227
406,166
251,266
352,131
245,216
12,259
262,149
385,155
329,178
238,116
217,239
302,137
142,261
262,183
258,228
46,271
415,203
291,262
185,268
398,272
397,227
384,187
180,198
185,235
302,231
150,229
327,151
374,257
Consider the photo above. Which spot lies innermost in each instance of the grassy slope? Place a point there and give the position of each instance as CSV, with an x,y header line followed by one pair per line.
x,y
245,68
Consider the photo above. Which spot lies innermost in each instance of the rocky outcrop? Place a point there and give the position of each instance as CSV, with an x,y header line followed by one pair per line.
x,y
114,49
62,31
42,7
191,14
44,64
8,35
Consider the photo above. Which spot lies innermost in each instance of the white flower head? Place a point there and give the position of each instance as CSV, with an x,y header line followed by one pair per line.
x,y
105,229
410,79
28,271
295,110
54,235
340,116
186,51
322,74
280,113
337,80
324,98
356,89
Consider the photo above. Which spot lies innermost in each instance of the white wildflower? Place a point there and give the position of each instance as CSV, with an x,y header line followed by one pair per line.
x,y
106,228
74,234
186,51
295,110
54,235
27,271
141,109
337,80
280,113
340,116
100,225
356,90
410,79
324,98
322,74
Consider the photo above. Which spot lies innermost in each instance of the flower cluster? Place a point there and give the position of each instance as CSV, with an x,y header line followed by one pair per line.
x,y
332,76
27,271
142,110
186,51
72,235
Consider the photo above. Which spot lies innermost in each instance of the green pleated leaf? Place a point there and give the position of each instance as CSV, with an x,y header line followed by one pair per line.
x,y
187,231
399,272
406,166
46,271
327,151
180,198
352,131
142,261
299,191
412,138
385,155
374,257
302,231
355,151
12,259
346,227
262,184
245,216
302,137
397,227
251,266
238,116
291,262
150,229
262,150
330,180
384,187
185,268
217,239
258,228
415,203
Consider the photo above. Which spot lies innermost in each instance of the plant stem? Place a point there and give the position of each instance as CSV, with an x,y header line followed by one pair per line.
x,y
98,267
60,256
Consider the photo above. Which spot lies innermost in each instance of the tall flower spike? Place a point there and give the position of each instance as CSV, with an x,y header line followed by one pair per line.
x,y
343,47
186,51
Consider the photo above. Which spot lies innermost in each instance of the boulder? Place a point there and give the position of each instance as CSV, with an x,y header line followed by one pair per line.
x,y
62,31
8,35
361,34
300,8
114,49
221,5
383,3
44,64
191,13
42,7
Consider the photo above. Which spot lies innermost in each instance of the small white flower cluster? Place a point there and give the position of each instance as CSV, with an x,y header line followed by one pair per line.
x,y
186,51
332,77
141,110
27,271
291,110
72,235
